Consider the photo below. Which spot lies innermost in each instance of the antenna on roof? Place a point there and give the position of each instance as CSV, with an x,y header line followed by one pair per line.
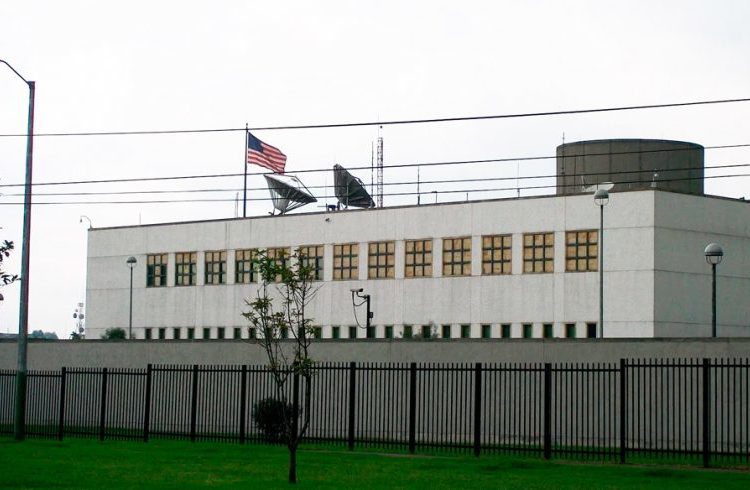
x,y
380,169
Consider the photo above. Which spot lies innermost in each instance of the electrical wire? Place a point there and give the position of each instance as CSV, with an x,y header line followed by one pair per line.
x,y
392,122
392,166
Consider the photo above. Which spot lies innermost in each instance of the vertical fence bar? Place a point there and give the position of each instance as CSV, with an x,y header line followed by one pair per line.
x,y
623,409
61,426
477,408
194,404
243,403
352,402
147,403
412,407
706,413
103,405
547,410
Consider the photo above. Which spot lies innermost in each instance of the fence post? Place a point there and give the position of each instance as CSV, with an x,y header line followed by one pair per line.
x,y
412,407
623,409
295,405
194,404
147,403
547,410
61,427
477,408
352,394
706,413
103,405
243,402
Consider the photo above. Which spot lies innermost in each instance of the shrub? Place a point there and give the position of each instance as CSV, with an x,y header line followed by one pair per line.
x,y
268,415
114,334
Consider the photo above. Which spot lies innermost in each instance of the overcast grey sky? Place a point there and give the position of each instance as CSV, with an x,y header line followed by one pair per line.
x,y
154,65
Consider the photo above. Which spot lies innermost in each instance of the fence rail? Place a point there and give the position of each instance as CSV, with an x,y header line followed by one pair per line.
x,y
693,410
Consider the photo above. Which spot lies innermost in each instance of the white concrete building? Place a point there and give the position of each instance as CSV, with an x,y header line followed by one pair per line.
x,y
498,268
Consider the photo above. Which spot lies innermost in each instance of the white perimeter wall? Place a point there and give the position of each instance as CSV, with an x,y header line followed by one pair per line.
x,y
558,298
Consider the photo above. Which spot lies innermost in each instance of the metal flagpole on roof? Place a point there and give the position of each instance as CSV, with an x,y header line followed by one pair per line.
x,y
244,182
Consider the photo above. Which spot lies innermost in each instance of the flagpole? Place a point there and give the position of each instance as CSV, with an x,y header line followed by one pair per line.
x,y
244,184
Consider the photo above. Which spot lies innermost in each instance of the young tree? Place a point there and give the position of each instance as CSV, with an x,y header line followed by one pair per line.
x,y
276,312
6,278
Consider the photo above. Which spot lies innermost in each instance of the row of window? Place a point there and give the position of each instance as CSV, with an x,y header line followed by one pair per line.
x,y
464,331
581,255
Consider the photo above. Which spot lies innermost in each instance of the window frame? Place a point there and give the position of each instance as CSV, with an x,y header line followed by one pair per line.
x,y
244,265
381,262
506,331
418,258
343,272
180,266
486,331
211,276
579,256
446,328
314,262
156,270
539,254
497,254
570,330
527,330
465,331
463,253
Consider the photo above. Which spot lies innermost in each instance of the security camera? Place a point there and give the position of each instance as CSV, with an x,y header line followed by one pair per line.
x,y
358,290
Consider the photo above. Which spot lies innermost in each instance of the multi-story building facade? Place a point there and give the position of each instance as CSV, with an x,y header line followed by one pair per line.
x,y
525,267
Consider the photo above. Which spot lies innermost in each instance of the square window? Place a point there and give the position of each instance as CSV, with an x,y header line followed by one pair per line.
x,y
207,333
581,251
457,256
446,333
284,332
317,332
175,333
191,333
486,331
311,258
156,270
547,330
162,333
215,267
370,332
251,332
345,260
389,331
220,333
505,330
418,258
147,333
381,260
538,252
352,332
465,331
407,332
237,333
496,254
244,268
570,330
185,268
591,330
528,330
335,332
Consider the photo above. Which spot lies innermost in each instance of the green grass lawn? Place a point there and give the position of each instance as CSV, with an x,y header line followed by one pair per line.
x,y
78,463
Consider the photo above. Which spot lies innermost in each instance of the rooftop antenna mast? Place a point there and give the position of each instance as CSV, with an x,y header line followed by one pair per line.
x,y
380,169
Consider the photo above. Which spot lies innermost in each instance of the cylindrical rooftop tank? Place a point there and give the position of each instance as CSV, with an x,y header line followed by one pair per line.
x,y
630,164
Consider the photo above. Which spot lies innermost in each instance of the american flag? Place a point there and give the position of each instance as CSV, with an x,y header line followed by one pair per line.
x,y
264,155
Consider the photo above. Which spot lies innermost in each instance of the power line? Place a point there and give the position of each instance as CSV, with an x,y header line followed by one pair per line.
x,y
402,183
367,167
392,122
392,194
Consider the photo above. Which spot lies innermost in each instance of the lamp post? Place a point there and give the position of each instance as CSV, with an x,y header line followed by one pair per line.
x,y
366,297
19,422
131,263
714,255
601,198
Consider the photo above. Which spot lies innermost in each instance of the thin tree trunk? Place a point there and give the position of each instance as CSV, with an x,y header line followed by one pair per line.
x,y
292,465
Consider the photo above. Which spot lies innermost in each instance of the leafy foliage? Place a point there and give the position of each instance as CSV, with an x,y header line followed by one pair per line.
x,y
268,415
116,333
6,278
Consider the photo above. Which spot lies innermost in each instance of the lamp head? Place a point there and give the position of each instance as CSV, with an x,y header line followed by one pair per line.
x,y
714,253
131,262
357,290
601,197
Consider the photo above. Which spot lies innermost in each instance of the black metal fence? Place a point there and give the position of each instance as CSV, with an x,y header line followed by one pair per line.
x,y
692,410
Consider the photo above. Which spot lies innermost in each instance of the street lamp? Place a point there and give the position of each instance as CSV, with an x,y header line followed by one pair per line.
x,y
131,263
19,423
366,297
714,255
601,198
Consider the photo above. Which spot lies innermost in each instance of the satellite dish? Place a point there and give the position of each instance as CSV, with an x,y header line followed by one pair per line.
x,y
595,187
287,192
349,190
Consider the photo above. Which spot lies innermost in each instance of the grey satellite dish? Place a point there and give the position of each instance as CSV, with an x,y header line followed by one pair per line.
x,y
349,190
287,192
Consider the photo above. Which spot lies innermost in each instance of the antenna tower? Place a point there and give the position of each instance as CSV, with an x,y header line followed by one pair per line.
x,y
380,171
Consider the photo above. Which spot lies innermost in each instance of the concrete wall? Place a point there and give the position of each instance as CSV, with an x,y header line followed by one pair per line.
x,y
518,298
137,354
684,225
